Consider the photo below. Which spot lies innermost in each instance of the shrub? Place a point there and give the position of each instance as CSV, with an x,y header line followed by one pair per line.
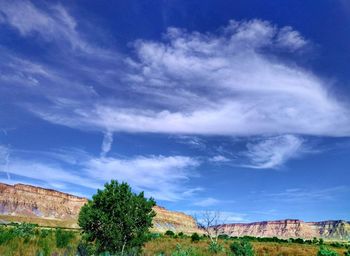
x,y
169,233
44,233
195,237
181,234
116,219
347,253
337,245
6,234
215,247
326,252
183,252
24,230
224,236
242,248
63,238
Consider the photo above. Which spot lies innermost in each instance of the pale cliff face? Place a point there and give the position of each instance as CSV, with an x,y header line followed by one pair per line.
x,y
33,202
290,229
53,208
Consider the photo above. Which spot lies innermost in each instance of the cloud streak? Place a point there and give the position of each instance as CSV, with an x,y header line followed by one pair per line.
x,y
272,152
162,177
213,84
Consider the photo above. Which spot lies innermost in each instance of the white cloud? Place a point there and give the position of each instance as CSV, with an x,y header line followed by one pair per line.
x,y
52,24
289,38
302,195
213,84
162,177
206,202
106,143
50,173
219,159
4,160
272,152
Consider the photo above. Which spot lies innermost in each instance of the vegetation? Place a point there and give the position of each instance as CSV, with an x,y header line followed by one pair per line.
x,y
63,238
46,242
169,233
28,239
116,220
326,252
242,248
215,247
195,237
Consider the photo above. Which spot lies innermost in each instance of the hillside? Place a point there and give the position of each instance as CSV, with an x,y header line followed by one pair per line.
x,y
52,208
338,230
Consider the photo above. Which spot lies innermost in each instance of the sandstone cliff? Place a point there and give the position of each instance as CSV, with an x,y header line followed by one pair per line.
x,y
290,229
48,207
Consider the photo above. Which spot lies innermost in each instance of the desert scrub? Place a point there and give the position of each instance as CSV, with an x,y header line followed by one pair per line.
x,y
242,248
179,251
63,238
326,252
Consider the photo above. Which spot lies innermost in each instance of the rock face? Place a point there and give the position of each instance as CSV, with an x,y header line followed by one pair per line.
x,y
338,230
48,207
175,221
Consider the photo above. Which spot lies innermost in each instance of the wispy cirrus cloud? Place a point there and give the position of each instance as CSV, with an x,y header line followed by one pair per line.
x,y
231,82
272,152
106,143
302,195
163,177
214,84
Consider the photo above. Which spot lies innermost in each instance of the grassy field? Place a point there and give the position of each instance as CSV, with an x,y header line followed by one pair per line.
x,y
33,241
165,246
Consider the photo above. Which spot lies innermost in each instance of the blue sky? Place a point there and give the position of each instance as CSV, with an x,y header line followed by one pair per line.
x,y
236,106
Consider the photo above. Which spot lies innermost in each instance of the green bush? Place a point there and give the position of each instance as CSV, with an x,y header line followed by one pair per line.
x,y
169,233
326,252
6,234
215,247
195,237
223,236
24,230
63,238
181,234
44,233
347,253
242,248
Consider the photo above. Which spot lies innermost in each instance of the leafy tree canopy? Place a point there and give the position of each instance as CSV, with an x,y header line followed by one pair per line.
x,y
116,219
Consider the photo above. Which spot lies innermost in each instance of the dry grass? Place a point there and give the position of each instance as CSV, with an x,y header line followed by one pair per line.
x,y
163,246
168,245
40,221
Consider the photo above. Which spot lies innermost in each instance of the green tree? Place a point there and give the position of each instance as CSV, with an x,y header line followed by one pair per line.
x,y
117,220
242,248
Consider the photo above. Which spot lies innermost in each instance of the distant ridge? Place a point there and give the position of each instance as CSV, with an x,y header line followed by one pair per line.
x,y
48,207
290,228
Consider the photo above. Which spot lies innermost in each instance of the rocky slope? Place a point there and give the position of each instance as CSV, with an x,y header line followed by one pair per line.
x,y
48,207
338,230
